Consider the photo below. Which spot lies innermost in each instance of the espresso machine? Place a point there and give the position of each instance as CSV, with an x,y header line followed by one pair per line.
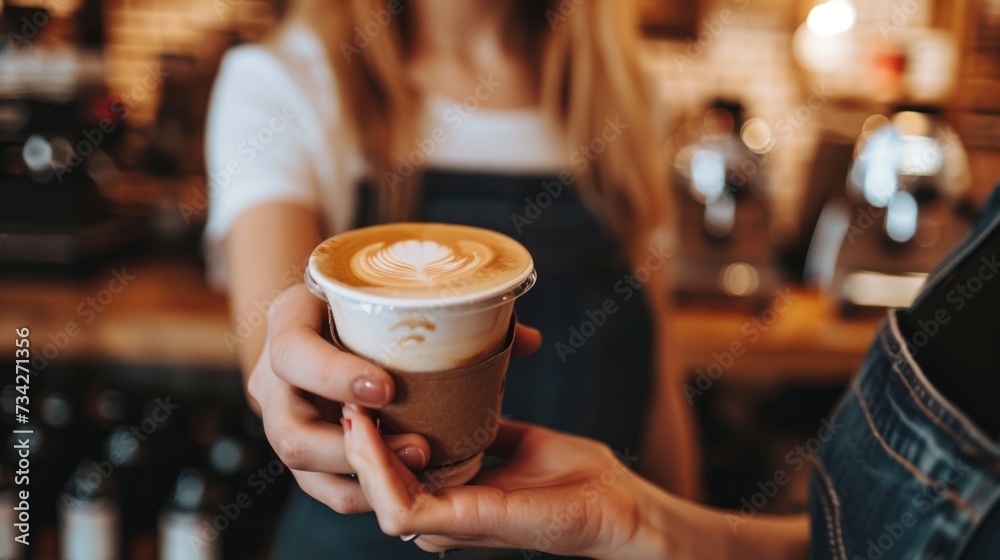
x,y
722,207
59,125
902,210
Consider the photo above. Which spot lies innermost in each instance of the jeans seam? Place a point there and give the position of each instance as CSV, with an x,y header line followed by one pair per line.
x,y
937,420
832,520
969,446
829,525
920,475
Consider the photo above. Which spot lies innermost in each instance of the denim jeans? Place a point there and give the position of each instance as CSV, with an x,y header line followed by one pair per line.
x,y
908,475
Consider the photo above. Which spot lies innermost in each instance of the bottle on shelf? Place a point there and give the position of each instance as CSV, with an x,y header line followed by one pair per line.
x,y
89,515
183,522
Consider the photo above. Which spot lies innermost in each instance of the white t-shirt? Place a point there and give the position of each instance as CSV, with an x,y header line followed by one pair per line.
x,y
274,135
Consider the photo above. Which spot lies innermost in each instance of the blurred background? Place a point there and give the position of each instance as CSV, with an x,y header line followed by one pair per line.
x,y
825,155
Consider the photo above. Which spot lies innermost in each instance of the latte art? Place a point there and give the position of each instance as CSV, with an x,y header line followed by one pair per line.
x,y
417,262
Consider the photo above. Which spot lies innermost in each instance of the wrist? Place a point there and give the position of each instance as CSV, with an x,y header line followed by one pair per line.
x,y
671,527
653,536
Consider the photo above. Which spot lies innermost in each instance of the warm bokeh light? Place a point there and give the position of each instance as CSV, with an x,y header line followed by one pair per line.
x,y
756,134
740,279
831,18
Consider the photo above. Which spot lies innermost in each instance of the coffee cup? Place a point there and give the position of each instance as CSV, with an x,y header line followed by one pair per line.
x,y
433,305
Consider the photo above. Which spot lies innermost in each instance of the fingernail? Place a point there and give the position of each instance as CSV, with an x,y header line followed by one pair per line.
x,y
407,538
413,457
371,393
346,423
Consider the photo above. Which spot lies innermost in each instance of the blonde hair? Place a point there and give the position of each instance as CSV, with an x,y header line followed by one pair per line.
x,y
589,73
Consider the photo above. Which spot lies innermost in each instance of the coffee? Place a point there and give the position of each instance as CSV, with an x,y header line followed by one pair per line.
x,y
421,296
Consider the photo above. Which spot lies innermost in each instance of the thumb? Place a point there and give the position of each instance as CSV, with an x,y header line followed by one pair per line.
x,y
527,340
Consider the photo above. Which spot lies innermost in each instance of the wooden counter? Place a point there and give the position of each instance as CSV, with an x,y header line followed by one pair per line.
x,y
148,311
142,311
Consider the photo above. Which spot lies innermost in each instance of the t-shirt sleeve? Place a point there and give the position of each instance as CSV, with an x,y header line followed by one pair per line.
x,y
256,146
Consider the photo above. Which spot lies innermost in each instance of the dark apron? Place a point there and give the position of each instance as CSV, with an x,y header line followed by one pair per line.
x,y
585,379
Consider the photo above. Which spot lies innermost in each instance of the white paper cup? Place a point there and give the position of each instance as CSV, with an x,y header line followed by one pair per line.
x,y
449,329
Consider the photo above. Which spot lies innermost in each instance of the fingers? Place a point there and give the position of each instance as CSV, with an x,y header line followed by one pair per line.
x,y
300,356
526,340
456,516
405,506
301,441
389,488
306,442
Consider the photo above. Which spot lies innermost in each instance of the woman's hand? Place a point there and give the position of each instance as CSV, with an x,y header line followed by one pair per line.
x,y
556,493
301,382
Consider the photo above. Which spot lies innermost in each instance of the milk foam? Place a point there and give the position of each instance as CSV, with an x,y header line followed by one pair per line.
x,y
417,262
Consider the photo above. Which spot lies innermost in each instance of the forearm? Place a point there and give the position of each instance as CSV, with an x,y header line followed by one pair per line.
x,y
266,250
670,455
678,529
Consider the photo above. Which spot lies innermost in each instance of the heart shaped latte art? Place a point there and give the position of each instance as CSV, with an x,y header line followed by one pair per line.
x,y
417,262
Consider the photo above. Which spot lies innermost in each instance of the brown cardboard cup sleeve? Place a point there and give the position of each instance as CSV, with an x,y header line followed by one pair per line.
x,y
458,410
